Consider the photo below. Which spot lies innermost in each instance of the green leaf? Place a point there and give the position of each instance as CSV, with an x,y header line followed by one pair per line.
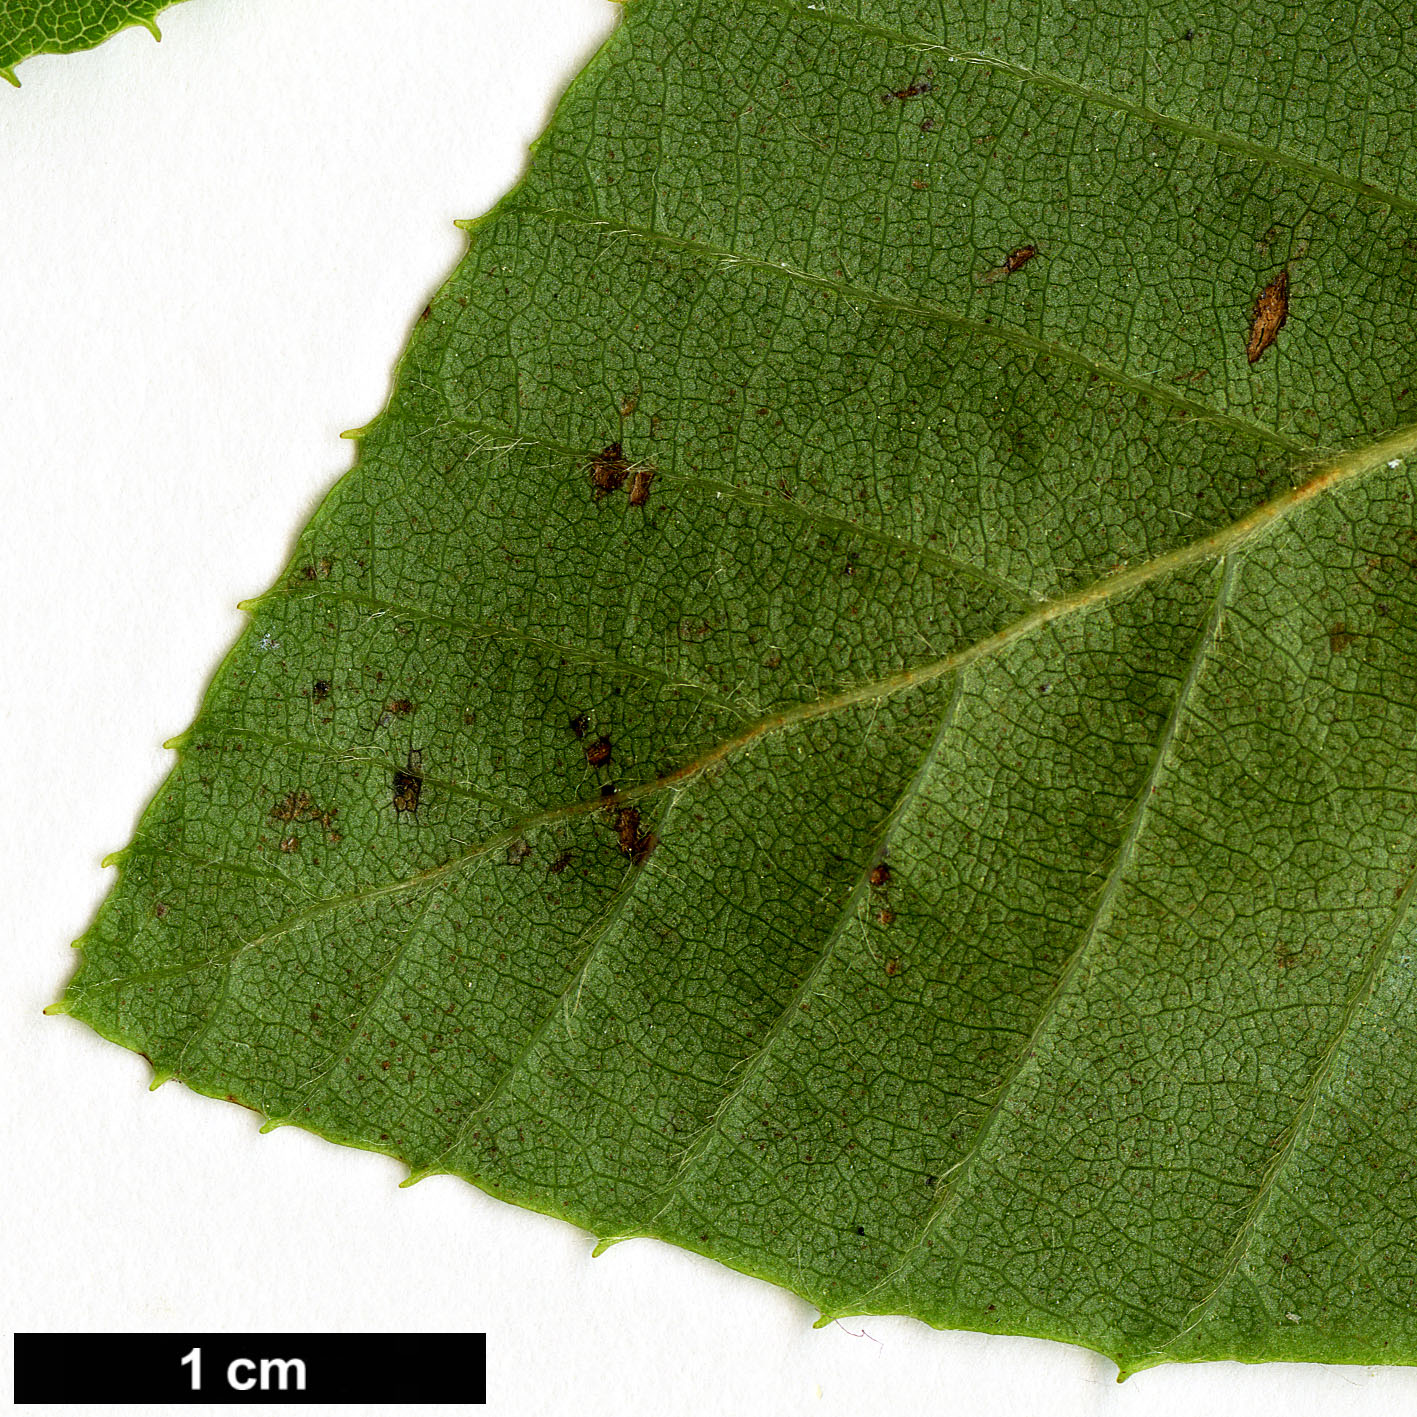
x,y
30,27
857,712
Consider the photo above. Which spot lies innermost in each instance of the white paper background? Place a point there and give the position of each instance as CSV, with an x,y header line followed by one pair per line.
x,y
211,252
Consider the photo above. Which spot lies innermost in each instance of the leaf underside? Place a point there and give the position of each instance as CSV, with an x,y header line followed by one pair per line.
x,y
30,27
857,711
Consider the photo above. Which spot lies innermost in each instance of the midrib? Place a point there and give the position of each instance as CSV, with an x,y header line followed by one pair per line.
x,y
1389,451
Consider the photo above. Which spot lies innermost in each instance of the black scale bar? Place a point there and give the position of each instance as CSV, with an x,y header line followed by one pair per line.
x,y
103,1368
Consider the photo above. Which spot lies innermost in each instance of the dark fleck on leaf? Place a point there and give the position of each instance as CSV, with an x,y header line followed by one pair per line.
x,y
639,485
1015,261
1019,258
1268,316
1340,637
408,783
920,86
608,470
633,842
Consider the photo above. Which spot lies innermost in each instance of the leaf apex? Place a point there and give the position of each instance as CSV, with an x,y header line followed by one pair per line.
x,y
9,76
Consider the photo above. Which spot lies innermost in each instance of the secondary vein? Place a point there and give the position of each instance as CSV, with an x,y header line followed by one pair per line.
x,y
928,310
1264,1192
1217,137
796,511
960,1174
752,1065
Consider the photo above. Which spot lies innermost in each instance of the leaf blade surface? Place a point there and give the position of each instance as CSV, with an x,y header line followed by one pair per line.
x,y
1009,680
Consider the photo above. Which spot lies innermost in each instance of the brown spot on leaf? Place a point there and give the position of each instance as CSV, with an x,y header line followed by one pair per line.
x,y
517,851
160,910
639,485
880,876
629,404
1340,637
316,570
608,470
320,690
1268,316
292,807
427,311
408,783
400,708
290,844
579,724
1191,376
920,86
885,916
892,967
627,828
634,843
560,863
298,807
598,754
1289,956
1015,261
